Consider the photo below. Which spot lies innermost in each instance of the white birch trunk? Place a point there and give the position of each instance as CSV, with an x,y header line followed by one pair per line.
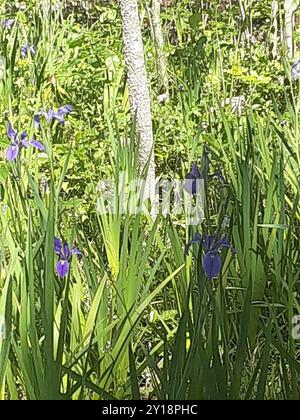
x,y
274,22
138,90
290,6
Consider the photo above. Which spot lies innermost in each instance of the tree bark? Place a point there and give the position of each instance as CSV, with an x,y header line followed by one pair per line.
x,y
138,91
297,26
159,43
274,23
290,6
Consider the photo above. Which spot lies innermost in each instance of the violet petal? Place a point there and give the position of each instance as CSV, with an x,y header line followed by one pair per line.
x,y
62,268
12,152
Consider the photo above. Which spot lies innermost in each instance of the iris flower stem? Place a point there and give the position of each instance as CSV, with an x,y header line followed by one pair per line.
x,y
63,327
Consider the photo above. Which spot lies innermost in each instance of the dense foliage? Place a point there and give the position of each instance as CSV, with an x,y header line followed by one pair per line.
x,y
127,313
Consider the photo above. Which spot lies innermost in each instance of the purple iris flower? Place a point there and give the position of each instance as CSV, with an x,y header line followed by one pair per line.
x,y
59,116
212,262
7,23
65,254
17,142
26,48
192,180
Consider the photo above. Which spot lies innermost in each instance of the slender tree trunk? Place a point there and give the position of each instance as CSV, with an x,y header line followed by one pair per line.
x,y
288,28
274,23
297,26
159,43
247,34
138,90
290,6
